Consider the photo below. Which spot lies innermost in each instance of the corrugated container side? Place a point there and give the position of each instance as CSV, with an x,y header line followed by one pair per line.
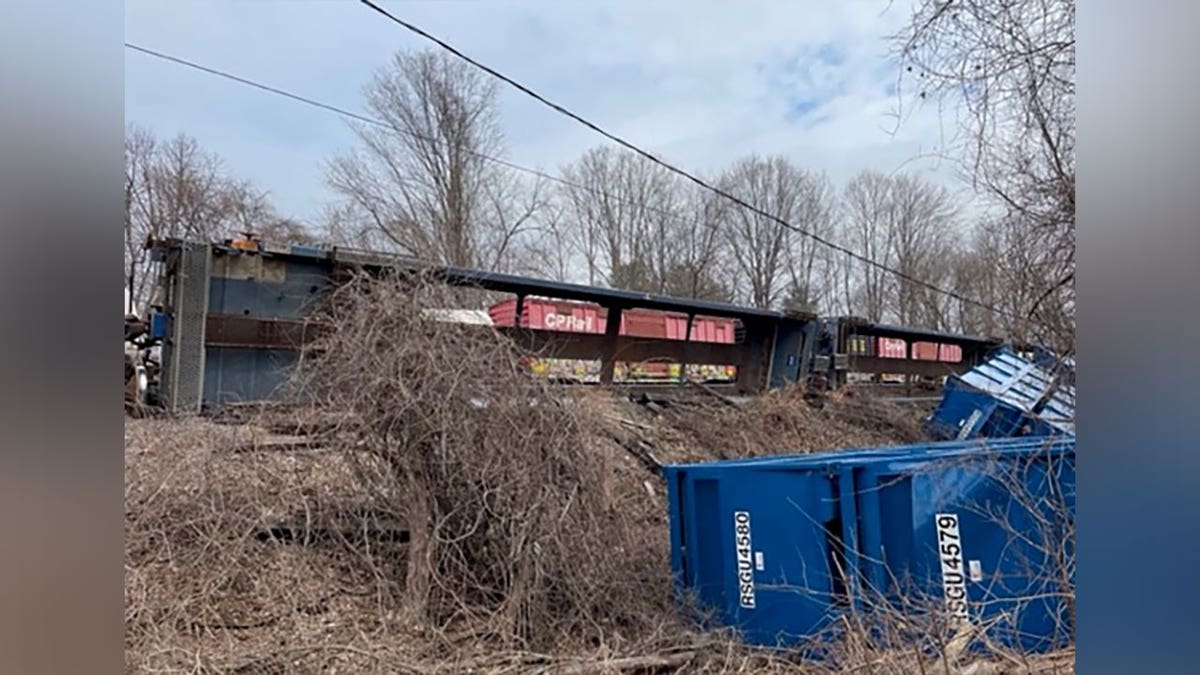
x,y
540,314
1000,397
590,316
533,315
718,331
502,313
892,348
759,549
1005,513
722,330
925,351
676,326
642,323
779,586
950,353
566,316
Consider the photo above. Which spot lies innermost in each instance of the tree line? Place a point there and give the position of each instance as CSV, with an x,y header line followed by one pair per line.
x,y
426,182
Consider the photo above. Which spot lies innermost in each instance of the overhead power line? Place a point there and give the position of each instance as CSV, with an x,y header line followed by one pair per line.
x,y
681,172
331,108
517,167
393,129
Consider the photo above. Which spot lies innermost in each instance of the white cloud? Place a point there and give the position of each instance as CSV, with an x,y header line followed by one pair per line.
x,y
701,83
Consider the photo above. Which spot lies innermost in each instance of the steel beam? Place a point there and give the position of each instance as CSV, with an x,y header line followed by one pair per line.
x,y
233,330
549,344
610,344
875,364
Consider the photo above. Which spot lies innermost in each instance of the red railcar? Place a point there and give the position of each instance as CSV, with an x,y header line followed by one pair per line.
x,y
950,353
925,351
882,347
895,348
891,348
578,317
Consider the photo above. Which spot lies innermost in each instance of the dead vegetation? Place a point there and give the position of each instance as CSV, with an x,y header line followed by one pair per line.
x,y
435,509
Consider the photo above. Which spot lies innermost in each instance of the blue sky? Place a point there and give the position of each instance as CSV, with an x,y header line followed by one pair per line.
x,y
700,83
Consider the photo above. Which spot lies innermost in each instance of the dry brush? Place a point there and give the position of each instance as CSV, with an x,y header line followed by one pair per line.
x,y
513,534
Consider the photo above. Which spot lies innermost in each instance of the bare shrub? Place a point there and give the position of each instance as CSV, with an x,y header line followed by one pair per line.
x,y
205,591
513,537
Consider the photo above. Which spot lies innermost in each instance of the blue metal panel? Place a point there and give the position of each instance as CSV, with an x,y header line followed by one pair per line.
x,y
871,514
789,343
236,375
296,296
789,513
1004,396
159,326
860,456
1013,511
961,413
675,505
308,251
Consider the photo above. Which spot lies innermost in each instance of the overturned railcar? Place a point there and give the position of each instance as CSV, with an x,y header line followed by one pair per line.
x,y
231,318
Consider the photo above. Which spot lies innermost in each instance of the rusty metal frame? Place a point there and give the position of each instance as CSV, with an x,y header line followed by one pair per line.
x,y
233,330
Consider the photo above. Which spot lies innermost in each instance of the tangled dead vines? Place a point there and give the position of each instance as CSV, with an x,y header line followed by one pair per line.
x,y
494,474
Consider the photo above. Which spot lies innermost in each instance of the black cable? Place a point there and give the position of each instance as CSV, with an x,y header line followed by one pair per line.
x,y
698,181
326,106
541,174
389,127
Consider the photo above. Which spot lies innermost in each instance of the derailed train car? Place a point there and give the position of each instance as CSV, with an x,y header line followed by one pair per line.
x,y
589,318
231,318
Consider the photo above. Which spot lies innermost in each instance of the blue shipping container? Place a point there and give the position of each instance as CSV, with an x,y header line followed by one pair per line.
x,y
1012,514
1005,396
778,547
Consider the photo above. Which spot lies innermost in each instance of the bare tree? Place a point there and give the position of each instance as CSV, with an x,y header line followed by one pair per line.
x,y
907,225
140,148
426,186
1012,67
1003,268
867,226
550,251
696,246
341,224
764,250
625,211
809,262
924,221
177,189
283,230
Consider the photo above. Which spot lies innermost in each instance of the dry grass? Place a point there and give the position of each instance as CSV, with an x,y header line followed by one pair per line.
x,y
782,422
538,543
205,594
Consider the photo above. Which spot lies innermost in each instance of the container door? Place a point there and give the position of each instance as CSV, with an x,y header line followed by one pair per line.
x,y
962,413
785,363
758,546
981,534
